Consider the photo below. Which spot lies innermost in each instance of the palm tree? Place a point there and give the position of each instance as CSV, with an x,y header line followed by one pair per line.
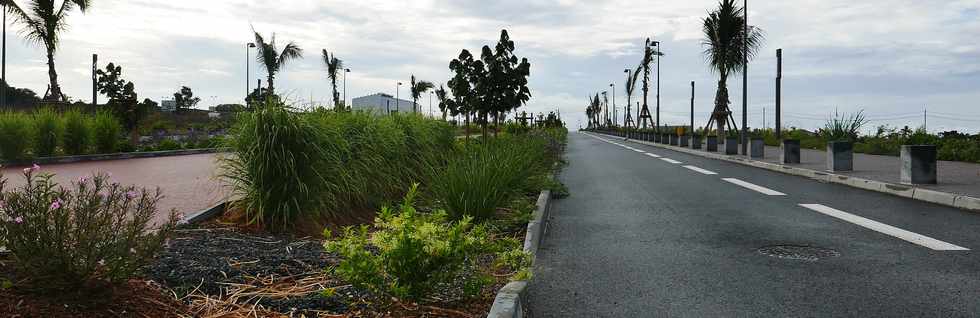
x,y
726,44
419,88
631,78
42,22
648,57
443,97
334,67
274,60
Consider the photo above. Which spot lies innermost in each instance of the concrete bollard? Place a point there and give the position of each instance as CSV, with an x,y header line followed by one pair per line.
x,y
685,141
695,142
840,156
731,146
656,138
665,139
712,142
674,140
757,148
790,151
919,164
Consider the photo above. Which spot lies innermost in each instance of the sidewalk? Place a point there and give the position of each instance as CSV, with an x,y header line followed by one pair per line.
x,y
961,178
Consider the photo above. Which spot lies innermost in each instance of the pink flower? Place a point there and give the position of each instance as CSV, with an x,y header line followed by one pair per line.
x,y
82,179
18,220
131,194
35,168
56,204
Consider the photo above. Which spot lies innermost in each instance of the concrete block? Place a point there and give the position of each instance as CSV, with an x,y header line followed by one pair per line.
x,y
685,140
712,143
937,197
656,138
791,151
840,156
695,142
919,164
674,140
731,146
757,148
508,303
899,190
866,184
967,203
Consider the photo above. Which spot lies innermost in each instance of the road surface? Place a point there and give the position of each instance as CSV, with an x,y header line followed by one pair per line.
x,y
649,232
188,182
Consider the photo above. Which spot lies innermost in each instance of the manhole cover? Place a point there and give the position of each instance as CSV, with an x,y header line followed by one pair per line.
x,y
803,253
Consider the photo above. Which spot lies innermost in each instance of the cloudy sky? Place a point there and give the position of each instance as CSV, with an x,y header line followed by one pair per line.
x,y
892,58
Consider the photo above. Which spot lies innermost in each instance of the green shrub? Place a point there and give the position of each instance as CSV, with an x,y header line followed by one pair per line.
x,y
16,130
94,230
488,176
276,167
78,133
107,132
414,252
168,145
48,130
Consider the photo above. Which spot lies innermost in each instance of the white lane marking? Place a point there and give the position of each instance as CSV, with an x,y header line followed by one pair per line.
x,y
640,151
653,155
753,187
883,228
670,160
702,171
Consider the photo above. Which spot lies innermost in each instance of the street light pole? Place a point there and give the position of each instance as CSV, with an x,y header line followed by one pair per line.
x,y
659,53
3,63
398,89
615,117
430,104
745,80
346,70
248,73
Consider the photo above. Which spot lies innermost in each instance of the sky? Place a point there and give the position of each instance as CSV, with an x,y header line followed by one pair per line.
x,y
894,59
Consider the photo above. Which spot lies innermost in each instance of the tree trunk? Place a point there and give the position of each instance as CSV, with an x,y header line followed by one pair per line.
x,y
55,94
272,86
721,108
337,105
466,127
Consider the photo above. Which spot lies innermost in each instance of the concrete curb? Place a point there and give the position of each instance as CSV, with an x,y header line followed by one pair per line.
x,y
511,299
112,156
906,191
204,215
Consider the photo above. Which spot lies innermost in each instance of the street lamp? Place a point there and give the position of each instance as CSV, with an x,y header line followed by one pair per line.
x,y
745,80
248,74
659,54
615,117
398,101
430,104
346,70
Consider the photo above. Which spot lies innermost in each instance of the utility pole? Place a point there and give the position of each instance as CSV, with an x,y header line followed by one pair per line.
x,y
764,118
615,117
779,94
745,80
925,119
95,82
3,61
658,83
692,109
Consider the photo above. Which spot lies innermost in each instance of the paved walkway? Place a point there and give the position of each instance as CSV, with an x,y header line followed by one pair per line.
x,y
954,177
188,182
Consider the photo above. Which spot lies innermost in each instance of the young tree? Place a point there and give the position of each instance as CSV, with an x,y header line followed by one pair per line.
x,y
505,84
43,21
272,59
631,78
419,88
645,62
443,98
726,44
184,98
122,99
334,67
465,86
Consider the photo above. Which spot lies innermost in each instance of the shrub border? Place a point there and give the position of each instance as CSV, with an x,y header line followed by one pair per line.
x,y
511,300
112,156
964,202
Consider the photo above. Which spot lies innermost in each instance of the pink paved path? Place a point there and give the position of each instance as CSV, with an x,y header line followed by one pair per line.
x,y
189,183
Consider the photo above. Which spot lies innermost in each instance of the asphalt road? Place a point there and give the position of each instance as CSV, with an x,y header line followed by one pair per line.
x,y
641,236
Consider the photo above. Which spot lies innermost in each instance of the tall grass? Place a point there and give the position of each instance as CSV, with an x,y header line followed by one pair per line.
x,y
15,135
78,133
484,177
844,127
48,131
106,132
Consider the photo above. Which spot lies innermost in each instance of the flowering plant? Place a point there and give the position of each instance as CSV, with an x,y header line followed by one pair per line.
x,y
94,230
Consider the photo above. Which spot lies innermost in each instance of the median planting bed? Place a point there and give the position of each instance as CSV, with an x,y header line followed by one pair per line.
x,y
340,214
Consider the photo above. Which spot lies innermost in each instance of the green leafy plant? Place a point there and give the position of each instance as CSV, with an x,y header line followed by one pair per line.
x,y
15,135
415,252
48,131
844,127
106,132
78,133
94,230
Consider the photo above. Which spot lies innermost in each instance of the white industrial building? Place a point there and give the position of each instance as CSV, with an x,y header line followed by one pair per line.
x,y
168,105
381,103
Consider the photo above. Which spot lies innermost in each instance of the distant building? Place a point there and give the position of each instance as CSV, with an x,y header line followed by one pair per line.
x,y
381,103
168,105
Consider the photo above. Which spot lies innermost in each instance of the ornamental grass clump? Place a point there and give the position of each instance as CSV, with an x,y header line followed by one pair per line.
x,y
77,134
16,130
106,132
48,131
92,232
414,252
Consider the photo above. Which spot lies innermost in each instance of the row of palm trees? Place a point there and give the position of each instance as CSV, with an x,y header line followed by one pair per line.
x,y
728,45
